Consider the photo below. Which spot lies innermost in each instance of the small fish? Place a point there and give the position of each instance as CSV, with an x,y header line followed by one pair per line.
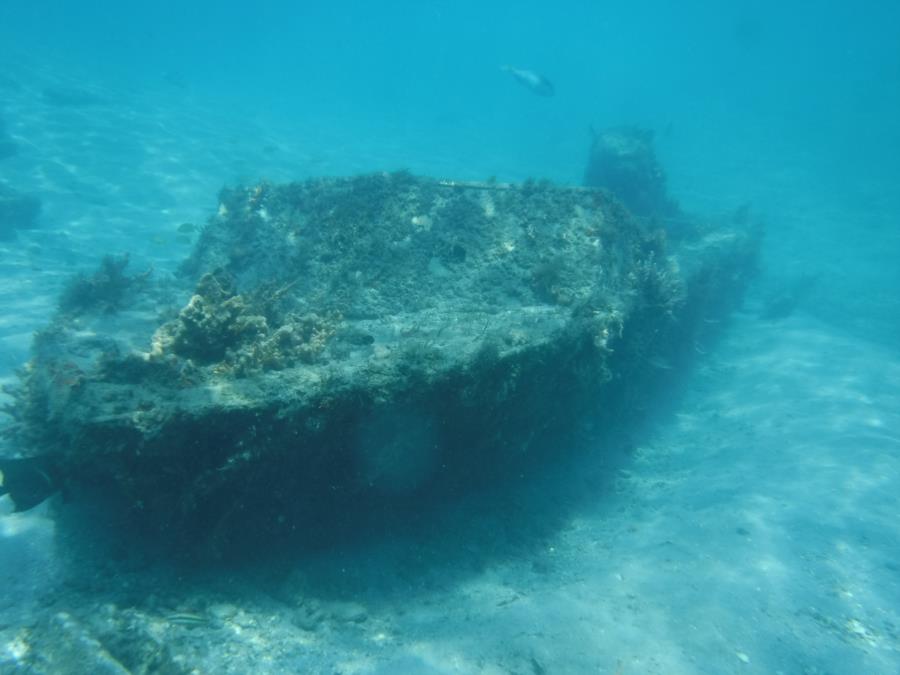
x,y
659,363
539,84
29,480
187,619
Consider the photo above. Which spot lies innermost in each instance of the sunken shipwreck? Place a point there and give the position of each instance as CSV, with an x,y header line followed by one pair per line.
x,y
335,347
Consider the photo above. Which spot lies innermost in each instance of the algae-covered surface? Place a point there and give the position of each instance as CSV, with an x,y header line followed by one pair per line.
x,y
345,344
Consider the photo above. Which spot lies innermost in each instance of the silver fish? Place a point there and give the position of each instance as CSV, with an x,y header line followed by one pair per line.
x,y
187,619
539,84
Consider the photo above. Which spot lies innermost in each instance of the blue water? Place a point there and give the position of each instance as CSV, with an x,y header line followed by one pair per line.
x,y
790,431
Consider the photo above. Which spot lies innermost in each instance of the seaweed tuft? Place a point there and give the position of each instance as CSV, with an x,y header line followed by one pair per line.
x,y
106,290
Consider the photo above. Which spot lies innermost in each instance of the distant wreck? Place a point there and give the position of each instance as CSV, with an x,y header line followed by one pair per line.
x,y
18,211
623,160
340,345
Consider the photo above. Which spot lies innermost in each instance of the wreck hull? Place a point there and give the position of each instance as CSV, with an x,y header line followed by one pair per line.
x,y
344,346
